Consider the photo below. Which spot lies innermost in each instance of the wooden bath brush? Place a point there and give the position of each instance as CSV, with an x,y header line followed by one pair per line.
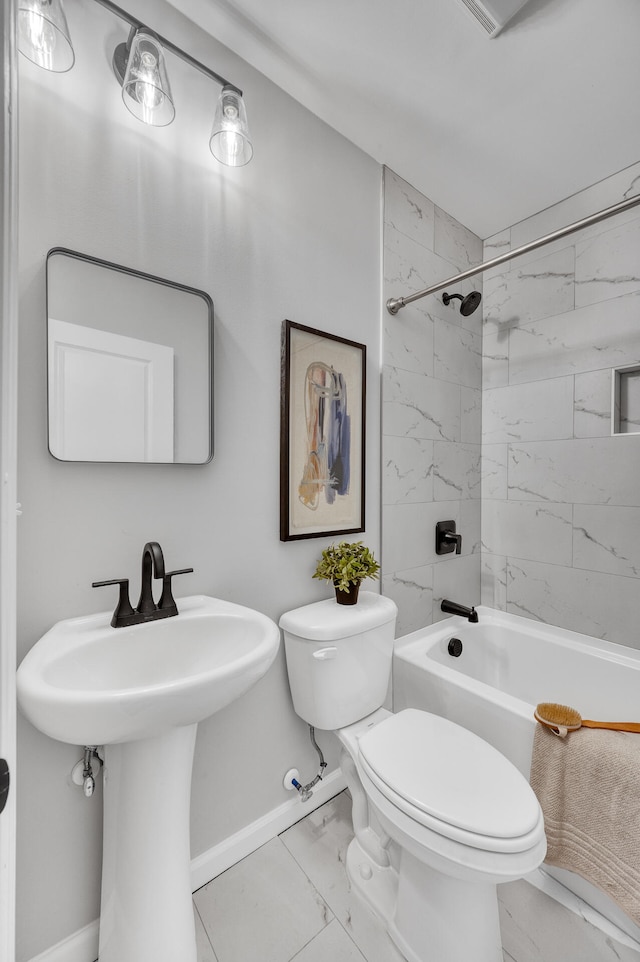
x,y
561,719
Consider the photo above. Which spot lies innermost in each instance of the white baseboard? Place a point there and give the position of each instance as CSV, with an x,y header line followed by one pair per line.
x,y
82,946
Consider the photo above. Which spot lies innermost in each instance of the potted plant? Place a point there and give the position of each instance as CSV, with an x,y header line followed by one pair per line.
x,y
347,565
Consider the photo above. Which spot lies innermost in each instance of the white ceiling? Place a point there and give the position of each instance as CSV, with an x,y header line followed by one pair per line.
x,y
492,130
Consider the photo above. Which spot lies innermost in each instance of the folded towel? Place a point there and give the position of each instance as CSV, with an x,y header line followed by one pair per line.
x,y
588,786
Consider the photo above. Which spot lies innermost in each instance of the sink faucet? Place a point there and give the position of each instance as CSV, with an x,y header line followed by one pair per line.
x,y
452,608
147,610
151,554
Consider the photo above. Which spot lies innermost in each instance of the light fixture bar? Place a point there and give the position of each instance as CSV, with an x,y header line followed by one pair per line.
x,y
168,45
395,303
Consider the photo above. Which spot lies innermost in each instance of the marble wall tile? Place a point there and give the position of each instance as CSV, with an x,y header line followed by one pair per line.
x,y
496,246
457,355
418,406
407,470
455,242
456,471
588,339
606,538
495,360
470,414
458,579
608,264
528,412
469,526
410,266
493,471
493,581
409,533
582,471
598,196
408,340
597,604
528,529
540,289
592,415
412,591
408,211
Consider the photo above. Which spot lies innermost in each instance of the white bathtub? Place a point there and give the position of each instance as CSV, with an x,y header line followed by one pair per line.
x,y
507,666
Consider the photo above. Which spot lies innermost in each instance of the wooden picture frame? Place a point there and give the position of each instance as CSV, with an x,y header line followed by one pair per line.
x,y
322,434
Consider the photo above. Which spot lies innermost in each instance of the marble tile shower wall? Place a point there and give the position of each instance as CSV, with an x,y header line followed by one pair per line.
x,y
560,494
431,392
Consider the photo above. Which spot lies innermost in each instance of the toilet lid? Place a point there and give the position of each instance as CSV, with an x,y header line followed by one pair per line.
x,y
450,774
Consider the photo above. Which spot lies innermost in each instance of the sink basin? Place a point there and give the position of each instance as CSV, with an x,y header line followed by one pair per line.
x,y
141,691
87,683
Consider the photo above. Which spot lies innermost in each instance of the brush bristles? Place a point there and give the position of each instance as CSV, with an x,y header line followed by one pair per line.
x,y
561,715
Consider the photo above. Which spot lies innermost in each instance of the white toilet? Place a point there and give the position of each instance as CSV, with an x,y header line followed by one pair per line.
x,y
462,816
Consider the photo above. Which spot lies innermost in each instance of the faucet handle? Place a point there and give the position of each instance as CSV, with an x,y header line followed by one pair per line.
x,y
166,598
123,608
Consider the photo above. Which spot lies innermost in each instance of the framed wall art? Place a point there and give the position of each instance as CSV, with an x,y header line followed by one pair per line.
x,y
322,434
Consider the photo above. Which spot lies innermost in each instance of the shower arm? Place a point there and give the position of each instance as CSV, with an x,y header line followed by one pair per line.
x,y
395,303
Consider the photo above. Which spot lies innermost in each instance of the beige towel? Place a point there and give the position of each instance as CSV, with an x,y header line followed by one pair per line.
x,y
588,785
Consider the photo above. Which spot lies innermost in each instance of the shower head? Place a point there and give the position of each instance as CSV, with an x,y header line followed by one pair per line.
x,y
468,303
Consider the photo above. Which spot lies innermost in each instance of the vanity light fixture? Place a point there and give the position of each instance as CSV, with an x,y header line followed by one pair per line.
x,y
139,66
230,142
43,35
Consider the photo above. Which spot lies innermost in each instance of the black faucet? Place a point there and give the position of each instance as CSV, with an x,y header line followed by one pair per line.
x,y
147,610
454,609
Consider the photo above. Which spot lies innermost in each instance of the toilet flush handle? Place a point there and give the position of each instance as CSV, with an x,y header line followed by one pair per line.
x,y
323,654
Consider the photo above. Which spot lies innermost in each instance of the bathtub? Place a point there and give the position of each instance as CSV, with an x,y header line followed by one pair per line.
x,y
507,666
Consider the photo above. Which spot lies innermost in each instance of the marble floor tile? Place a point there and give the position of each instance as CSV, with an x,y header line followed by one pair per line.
x,y
332,943
536,928
203,945
263,909
290,901
319,844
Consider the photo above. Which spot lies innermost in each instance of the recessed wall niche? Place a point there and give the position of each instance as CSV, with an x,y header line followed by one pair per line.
x,y
626,400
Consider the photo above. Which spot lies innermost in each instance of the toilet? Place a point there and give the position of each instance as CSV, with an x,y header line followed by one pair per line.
x,y
440,816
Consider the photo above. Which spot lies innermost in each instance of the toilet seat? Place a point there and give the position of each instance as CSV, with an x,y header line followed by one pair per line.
x,y
450,781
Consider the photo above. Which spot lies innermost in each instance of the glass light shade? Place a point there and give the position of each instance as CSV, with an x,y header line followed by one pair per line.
x,y
230,142
145,89
43,34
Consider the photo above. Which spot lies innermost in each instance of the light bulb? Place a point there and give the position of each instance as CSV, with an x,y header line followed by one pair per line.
x,y
230,142
145,88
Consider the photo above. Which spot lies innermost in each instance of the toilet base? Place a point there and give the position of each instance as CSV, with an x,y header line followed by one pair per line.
x,y
427,914
377,885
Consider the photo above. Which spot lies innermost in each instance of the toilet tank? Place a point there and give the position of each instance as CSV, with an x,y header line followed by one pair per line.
x,y
339,658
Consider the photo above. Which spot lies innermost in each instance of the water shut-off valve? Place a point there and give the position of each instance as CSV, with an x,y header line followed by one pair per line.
x,y
85,771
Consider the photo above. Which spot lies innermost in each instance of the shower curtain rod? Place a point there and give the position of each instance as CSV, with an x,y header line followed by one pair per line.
x,y
395,303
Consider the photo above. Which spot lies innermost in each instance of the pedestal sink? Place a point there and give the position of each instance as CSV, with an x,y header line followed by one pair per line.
x,y
140,692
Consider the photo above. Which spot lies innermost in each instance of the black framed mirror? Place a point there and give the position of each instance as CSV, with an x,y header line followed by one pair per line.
x,y
130,364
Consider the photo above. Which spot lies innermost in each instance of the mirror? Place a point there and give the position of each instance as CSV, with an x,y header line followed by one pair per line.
x,y
129,364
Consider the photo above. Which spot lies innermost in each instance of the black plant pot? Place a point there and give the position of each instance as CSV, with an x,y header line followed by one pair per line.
x,y
349,597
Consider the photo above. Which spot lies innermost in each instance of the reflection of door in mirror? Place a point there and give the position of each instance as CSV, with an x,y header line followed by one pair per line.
x,y
129,364
91,421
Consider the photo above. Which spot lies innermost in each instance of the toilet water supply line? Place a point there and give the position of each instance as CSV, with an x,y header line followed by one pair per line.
x,y
304,791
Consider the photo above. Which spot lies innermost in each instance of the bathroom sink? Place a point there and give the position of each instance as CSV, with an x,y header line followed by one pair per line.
x,y
87,683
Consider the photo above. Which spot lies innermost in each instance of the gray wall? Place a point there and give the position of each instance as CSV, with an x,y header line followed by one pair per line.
x,y
296,234
431,410
560,495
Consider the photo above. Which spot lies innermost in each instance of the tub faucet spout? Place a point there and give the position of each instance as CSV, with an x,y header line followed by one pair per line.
x,y
452,608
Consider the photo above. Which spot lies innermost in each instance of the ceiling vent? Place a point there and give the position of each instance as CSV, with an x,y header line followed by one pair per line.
x,y
493,15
